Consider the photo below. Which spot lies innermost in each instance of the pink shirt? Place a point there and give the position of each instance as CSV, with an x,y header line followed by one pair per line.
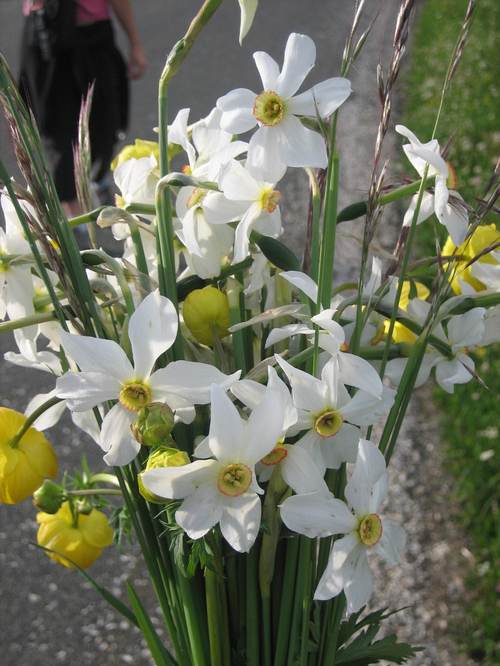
x,y
87,11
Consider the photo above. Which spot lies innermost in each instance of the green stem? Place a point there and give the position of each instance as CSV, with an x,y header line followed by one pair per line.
x,y
91,216
333,632
23,322
325,284
14,442
287,600
252,610
94,491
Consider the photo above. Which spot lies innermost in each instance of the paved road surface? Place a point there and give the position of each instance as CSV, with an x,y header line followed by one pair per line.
x,y
48,615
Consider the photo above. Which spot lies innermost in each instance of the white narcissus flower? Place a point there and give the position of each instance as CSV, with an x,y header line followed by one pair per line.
x,y
326,410
210,147
224,490
107,374
136,179
16,281
366,532
453,215
281,139
463,332
259,202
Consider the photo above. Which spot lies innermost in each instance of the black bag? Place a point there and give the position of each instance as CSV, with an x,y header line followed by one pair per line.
x,y
52,26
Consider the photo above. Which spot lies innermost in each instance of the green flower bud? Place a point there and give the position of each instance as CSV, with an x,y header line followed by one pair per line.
x,y
161,457
49,497
153,426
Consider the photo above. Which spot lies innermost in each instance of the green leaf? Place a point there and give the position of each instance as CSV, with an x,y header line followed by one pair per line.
x,y
358,653
277,253
105,594
158,651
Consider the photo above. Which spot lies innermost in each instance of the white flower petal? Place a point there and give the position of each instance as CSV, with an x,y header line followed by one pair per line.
x,y
265,426
238,184
85,390
237,107
301,473
369,468
51,416
226,436
392,543
240,521
190,380
339,569
152,330
116,437
425,211
265,154
323,98
355,371
243,231
466,330
341,448
365,409
299,146
250,393
299,59
200,512
98,356
456,371
268,69
359,587
308,392
317,515
284,332
180,482
302,282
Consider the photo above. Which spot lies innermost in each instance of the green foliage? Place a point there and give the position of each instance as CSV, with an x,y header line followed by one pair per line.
x,y
470,429
358,646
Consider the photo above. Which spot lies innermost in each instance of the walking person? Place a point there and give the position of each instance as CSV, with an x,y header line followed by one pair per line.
x,y
67,45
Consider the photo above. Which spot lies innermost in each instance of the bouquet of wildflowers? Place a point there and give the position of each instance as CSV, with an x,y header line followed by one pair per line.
x,y
233,388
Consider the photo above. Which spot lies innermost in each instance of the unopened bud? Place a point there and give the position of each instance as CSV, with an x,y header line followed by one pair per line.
x,y
153,426
161,457
49,497
112,215
206,311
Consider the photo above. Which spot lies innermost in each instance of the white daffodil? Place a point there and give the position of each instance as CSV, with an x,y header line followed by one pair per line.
x,y
136,179
224,490
296,466
16,282
208,246
210,147
327,411
451,212
366,532
107,374
257,201
281,139
463,332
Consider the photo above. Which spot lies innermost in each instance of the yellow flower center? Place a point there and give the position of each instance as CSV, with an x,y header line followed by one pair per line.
x,y
269,199
370,529
187,170
328,423
269,108
135,395
234,479
278,454
196,197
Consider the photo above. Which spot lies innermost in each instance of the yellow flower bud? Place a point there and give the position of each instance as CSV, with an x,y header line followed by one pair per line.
x,y
483,237
80,537
25,465
161,457
401,334
140,148
206,311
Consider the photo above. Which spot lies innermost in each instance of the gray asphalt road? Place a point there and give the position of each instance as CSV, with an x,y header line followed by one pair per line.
x,y
49,615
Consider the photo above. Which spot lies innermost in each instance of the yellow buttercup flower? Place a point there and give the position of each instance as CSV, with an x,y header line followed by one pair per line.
x,y
483,237
80,537
140,148
206,311
401,334
164,456
23,465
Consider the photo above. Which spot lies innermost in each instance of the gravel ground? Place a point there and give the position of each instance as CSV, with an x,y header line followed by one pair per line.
x,y
49,615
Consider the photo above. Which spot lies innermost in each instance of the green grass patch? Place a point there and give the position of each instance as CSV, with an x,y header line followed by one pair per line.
x,y
470,423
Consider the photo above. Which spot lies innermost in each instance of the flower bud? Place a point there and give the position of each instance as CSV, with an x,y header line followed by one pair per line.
x,y
49,497
161,457
140,148
153,426
206,311
24,465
